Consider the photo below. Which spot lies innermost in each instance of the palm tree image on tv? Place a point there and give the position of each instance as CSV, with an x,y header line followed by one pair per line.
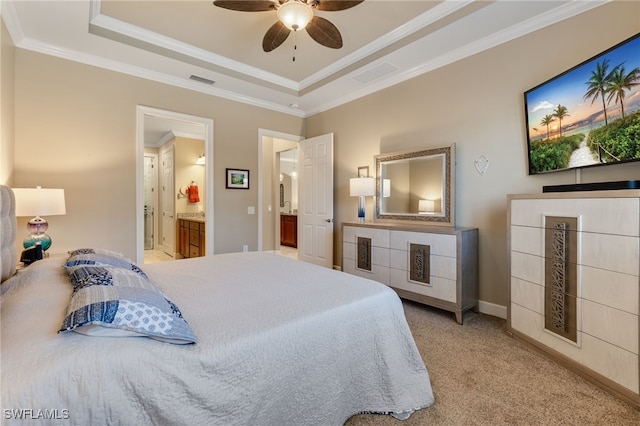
x,y
590,114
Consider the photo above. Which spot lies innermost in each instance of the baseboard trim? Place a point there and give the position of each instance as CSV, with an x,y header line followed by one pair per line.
x,y
492,309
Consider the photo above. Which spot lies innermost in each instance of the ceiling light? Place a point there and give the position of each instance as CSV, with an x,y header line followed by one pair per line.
x,y
295,14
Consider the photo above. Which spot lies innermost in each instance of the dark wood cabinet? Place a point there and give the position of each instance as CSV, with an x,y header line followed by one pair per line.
x,y
289,230
191,238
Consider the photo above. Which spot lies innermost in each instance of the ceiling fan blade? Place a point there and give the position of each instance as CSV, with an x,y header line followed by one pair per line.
x,y
275,36
324,32
247,5
333,5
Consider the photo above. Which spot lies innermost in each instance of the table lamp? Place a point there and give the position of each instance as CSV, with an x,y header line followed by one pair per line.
x,y
39,202
362,187
426,206
386,188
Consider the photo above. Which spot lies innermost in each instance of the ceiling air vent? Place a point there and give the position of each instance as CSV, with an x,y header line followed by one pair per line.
x,y
201,79
375,72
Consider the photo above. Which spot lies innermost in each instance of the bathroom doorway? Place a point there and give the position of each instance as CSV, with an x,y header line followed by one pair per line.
x,y
156,128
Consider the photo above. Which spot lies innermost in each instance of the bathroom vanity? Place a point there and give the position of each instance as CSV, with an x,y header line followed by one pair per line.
x,y
191,236
288,230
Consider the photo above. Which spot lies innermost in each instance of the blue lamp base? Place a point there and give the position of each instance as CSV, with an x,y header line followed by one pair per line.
x,y
32,239
361,208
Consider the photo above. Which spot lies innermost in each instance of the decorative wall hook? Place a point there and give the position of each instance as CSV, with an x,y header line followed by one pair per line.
x,y
481,164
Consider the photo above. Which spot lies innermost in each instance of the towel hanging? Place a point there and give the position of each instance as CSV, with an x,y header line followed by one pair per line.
x,y
192,192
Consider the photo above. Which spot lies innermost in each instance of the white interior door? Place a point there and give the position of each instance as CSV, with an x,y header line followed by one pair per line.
x,y
168,206
315,200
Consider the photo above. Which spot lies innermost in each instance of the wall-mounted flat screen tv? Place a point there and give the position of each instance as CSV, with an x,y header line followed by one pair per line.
x,y
589,115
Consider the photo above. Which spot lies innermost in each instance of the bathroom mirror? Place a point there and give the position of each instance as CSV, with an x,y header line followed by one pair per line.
x,y
416,185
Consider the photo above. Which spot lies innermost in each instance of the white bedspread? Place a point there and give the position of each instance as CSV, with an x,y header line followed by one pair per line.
x,y
280,342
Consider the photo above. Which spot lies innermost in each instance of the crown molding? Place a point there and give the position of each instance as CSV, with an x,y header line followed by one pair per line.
x,y
117,30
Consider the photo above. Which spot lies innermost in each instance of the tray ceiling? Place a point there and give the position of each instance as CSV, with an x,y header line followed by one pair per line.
x,y
385,42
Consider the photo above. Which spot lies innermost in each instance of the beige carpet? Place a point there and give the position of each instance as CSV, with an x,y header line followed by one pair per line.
x,y
481,376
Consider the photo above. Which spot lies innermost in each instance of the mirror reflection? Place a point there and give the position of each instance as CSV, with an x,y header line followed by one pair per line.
x,y
415,185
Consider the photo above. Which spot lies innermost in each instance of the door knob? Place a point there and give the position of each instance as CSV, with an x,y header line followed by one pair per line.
x,y
328,220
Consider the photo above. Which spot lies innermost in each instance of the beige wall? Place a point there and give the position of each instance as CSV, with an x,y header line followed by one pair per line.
x,y
75,128
477,104
7,52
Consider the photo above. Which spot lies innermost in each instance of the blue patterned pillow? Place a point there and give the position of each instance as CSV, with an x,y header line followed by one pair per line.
x,y
89,256
116,302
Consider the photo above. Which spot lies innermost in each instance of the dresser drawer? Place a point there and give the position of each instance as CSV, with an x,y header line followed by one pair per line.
x,y
439,266
441,244
379,237
438,288
379,255
377,273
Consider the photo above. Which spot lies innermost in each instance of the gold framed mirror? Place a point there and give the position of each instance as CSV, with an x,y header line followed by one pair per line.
x,y
416,185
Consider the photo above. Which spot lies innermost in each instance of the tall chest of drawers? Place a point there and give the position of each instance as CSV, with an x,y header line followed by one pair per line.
x,y
574,276
434,265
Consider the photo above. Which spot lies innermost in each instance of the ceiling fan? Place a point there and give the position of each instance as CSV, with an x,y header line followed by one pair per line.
x,y
294,15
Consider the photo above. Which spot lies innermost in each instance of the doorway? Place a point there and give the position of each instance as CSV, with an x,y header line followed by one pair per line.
x,y
149,120
270,144
315,194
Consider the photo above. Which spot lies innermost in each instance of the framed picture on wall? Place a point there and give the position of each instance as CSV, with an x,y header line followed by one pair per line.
x,y
237,179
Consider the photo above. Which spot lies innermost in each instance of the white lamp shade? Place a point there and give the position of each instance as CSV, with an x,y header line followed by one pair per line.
x,y
295,15
386,188
39,201
362,186
426,206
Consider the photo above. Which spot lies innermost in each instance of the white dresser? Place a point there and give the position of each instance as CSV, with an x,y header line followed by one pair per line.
x,y
574,261
434,265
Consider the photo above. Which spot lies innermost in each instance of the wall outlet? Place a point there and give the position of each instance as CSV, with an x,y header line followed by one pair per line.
x,y
245,247
251,210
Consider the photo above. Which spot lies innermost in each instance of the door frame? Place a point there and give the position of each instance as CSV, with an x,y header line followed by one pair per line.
x,y
262,175
145,111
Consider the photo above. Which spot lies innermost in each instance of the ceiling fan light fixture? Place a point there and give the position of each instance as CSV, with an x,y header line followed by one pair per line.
x,y
295,14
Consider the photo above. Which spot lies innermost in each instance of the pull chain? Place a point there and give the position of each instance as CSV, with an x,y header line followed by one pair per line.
x,y
295,44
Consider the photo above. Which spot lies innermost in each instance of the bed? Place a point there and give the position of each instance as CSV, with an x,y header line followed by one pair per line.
x,y
278,342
